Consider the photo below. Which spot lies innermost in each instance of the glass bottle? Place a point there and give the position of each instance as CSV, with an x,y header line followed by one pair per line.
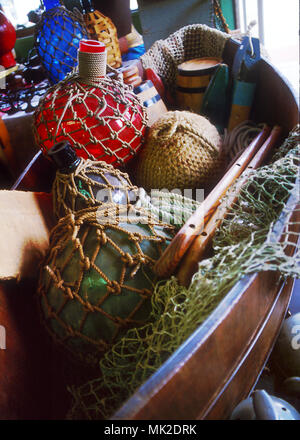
x,y
57,38
100,117
79,184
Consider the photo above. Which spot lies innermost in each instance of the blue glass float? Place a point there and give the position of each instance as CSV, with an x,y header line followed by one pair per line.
x,y
57,39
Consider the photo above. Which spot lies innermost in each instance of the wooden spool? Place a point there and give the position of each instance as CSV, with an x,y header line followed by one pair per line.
x,y
101,28
150,98
130,72
193,77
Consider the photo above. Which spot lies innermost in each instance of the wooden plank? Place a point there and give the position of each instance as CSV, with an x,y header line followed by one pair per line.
x,y
248,369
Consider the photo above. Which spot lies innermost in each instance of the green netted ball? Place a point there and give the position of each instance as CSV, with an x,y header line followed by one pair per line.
x,y
97,281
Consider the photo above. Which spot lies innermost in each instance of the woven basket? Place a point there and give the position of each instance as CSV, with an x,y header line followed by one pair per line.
x,y
101,28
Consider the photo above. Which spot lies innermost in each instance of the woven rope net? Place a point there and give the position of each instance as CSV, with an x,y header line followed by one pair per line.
x,y
96,279
92,183
217,17
97,183
245,243
102,119
56,39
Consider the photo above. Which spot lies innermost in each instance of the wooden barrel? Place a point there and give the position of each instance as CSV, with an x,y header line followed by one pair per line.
x,y
193,77
151,99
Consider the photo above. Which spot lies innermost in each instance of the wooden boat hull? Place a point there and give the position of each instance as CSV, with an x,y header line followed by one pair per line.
x,y
210,373
220,363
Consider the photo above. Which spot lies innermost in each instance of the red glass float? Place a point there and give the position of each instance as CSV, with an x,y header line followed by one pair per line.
x,y
7,42
99,115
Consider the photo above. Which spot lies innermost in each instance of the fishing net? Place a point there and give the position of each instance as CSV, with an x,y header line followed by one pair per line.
x,y
246,242
96,279
217,17
102,120
95,182
92,183
169,207
100,116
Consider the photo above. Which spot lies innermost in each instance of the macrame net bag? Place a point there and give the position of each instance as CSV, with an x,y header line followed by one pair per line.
x,y
92,183
101,28
189,42
56,40
246,242
96,280
97,114
182,150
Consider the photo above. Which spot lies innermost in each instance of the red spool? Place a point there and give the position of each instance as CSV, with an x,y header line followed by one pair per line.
x,y
7,42
91,46
99,116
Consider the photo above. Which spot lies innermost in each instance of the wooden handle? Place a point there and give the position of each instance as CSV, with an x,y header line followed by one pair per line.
x,y
189,264
173,254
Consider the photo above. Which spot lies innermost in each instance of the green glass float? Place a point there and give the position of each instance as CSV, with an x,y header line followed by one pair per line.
x,y
81,183
96,280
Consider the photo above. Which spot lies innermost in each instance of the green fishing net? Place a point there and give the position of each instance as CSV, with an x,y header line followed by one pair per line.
x,y
245,243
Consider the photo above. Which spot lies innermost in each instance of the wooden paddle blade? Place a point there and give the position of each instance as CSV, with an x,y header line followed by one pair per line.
x,y
168,262
189,263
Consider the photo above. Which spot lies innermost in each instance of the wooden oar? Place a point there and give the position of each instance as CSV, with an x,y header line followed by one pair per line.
x,y
189,264
173,254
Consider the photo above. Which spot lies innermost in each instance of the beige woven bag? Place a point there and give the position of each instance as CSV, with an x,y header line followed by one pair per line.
x,y
182,151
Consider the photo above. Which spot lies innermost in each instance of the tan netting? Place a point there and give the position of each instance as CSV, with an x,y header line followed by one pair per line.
x,y
182,151
75,109
192,41
93,182
96,280
101,28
